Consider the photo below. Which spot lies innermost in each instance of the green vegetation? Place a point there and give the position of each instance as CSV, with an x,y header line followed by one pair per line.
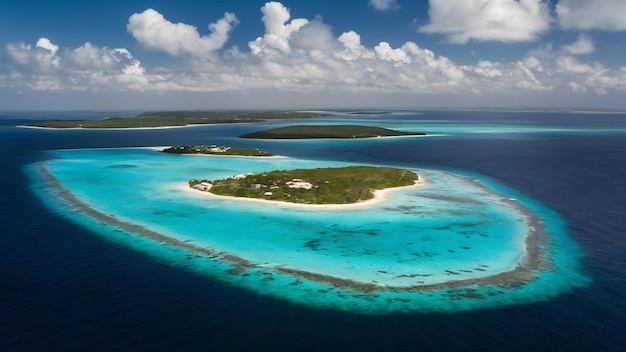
x,y
215,150
343,185
368,112
177,118
327,131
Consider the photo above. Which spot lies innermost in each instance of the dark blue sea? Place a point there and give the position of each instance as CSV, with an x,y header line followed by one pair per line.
x,y
64,287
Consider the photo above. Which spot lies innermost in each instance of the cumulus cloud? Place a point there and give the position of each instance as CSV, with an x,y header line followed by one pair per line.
x,y
151,29
46,44
595,77
384,5
315,36
45,67
42,57
90,56
95,66
301,55
352,48
577,87
569,64
386,53
277,30
584,45
588,15
487,20
488,69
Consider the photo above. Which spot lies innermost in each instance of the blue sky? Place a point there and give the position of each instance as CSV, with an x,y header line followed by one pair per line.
x,y
195,54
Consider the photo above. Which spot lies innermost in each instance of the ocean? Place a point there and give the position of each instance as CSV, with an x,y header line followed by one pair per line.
x,y
67,286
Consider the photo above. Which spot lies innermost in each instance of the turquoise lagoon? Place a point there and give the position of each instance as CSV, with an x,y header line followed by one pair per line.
x,y
458,242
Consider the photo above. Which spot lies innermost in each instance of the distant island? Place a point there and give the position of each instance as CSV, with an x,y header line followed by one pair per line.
x,y
215,150
178,118
341,185
368,112
328,131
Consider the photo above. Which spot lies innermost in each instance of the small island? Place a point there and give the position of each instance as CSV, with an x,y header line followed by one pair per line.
x,y
341,185
328,131
178,119
369,112
215,150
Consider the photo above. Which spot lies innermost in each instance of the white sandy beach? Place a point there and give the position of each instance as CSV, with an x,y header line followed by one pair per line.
x,y
380,196
112,128
158,148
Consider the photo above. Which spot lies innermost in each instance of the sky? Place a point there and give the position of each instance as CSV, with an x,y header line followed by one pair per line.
x,y
202,54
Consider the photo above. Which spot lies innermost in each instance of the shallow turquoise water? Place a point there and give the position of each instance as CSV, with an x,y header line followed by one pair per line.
x,y
447,229
409,123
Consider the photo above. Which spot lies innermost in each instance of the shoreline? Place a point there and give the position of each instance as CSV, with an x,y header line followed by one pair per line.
x,y
349,139
380,196
524,271
128,128
218,124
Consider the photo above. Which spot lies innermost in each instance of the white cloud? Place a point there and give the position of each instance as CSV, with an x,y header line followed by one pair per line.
x,y
352,48
533,63
584,45
577,87
306,57
526,74
488,20
384,5
151,29
277,30
40,58
386,53
488,69
90,56
571,65
45,67
45,43
596,14
595,77
315,36
103,66
19,53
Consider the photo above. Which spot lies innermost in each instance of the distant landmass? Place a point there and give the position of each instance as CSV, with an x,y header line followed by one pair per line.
x,y
328,131
368,112
178,118
528,108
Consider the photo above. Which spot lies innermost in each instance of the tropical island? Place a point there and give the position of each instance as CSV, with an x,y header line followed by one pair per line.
x,y
338,185
215,150
328,131
178,119
369,112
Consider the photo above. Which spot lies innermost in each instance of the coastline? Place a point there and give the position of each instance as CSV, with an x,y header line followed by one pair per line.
x,y
157,148
350,139
218,124
127,128
380,196
525,271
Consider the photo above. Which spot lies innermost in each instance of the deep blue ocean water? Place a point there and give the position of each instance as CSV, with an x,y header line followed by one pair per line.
x,y
64,288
